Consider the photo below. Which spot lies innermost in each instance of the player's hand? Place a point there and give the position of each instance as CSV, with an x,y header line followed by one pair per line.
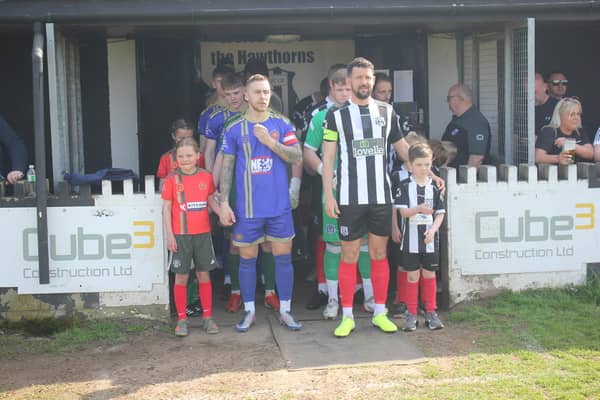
x,y
227,217
559,142
171,243
14,176
262,134
424,209
396,234
331,207
295,192
429,236
439,183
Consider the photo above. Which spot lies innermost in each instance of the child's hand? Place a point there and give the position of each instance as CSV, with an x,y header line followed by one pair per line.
x,y
424,209
429,236
171,243
227,217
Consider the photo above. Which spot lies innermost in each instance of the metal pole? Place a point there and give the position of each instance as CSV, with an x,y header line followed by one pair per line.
x,y
509,123
40,152
531,91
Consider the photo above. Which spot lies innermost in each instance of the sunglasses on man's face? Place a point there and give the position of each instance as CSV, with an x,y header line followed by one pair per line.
x,y
557,82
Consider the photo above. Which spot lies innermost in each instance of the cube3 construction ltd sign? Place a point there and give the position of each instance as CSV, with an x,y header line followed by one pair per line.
x,y
537,229
90,249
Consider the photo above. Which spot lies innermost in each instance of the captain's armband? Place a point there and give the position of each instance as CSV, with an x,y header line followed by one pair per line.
x,y
329,135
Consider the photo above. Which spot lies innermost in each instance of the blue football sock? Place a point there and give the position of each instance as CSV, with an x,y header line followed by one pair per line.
x,y
284,276
247,276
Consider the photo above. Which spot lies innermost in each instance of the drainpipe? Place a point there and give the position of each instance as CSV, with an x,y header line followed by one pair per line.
x,y
37,55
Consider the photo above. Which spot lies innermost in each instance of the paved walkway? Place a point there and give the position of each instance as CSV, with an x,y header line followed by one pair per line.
x,y
315,346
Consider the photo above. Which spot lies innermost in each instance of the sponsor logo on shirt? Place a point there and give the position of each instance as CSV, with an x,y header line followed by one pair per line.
x,y
368,147
261,165
195,205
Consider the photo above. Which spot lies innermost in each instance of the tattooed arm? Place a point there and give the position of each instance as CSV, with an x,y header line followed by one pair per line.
x,y
227,216
289,154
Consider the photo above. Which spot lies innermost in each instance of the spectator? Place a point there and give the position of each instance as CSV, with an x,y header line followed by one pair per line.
x,y
544,104
469,130
557,84
13,155
382,90
597,146
564,125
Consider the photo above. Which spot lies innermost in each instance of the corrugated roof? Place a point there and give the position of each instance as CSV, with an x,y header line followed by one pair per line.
x,y
196,11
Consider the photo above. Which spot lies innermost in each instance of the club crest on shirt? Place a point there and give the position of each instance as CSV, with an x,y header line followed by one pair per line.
x,y
479,137
179,187
379,121
454,131
261,165
239,237
330,228
202,186
274,135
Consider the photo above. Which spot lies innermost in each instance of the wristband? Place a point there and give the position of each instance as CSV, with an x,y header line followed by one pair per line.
x,y
295,184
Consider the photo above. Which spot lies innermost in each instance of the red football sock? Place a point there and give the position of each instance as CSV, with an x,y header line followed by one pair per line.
x,y
347,281
411,297
380,277
401,286
421,289
319,261
205,294
428,293
180,295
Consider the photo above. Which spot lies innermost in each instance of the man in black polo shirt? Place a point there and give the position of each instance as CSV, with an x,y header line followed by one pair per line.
x,y
557,84
13,155
469,130
544,103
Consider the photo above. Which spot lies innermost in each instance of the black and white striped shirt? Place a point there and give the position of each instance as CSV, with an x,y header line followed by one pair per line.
x,y
413,229
362,133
